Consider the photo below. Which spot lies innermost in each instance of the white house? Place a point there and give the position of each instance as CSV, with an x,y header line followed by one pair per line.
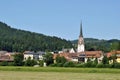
x,y
33,55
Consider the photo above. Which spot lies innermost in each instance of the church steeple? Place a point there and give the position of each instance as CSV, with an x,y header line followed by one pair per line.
x,y
81,33
81,46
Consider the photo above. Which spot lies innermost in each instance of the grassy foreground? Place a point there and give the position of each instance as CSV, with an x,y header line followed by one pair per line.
x,y
19,75
60,69
57,73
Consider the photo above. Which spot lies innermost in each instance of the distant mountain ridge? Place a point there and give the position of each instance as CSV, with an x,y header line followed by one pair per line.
x,y
97,44
96,40
12,39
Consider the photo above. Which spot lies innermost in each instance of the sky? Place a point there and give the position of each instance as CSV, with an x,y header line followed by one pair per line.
x,y
62,18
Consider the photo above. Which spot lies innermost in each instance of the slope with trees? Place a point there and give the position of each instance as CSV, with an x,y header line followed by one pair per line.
x,y
17,40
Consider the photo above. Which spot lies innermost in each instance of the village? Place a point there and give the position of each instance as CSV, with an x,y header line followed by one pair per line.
x,y
79,55
59,40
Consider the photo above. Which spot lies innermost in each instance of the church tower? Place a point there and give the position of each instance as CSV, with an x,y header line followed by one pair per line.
x,y
81,46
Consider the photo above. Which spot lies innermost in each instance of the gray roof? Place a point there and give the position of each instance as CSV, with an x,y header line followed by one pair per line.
x,y
32,52
40,53
29,52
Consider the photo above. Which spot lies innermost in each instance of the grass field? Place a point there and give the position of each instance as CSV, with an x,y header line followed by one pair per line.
x,y
60,69
53,73
18,75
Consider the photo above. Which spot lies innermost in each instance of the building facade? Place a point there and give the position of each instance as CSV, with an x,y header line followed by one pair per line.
x,y
33,55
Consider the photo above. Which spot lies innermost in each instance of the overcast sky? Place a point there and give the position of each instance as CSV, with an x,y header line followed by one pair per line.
x,y
61,18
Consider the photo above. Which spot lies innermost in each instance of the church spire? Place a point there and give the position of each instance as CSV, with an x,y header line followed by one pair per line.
x,y
81,33
81,46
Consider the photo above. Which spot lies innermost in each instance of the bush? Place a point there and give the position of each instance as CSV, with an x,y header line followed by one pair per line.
x,y
53,65
30,62
111,66
4,63
79,65
41,62
69,64
107,65
10,63
88,64
100,65
93,65
59,64
117,65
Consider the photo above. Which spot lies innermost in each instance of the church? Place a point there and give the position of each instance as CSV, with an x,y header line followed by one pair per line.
x,y
80,54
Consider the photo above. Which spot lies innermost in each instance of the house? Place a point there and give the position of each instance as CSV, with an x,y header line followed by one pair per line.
x,y
114,53
6,56
28,54
69,56
94,54
40,55
79,57
33,55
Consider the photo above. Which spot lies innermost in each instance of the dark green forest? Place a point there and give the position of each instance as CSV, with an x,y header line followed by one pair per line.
x,y
92,44
16,40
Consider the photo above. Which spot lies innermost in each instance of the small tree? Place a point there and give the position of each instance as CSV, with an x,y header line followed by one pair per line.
x,y
105,60
96,61
18,59
61,59
41,62
48,58
114,57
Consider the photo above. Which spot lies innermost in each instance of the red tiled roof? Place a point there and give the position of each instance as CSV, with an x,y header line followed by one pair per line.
x,y
93,53
69,56
112,52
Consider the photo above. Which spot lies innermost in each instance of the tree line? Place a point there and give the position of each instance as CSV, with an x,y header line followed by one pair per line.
x,y
16,40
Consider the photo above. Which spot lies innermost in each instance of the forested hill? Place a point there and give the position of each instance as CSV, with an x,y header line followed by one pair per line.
x,y
104,45
12,39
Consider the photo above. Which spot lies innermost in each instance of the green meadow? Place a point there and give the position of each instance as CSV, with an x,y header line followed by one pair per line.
x,y
55,73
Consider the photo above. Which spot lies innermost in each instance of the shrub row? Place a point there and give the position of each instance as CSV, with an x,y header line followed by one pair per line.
x,y
26,63
86,65
66,64
71,64
5,63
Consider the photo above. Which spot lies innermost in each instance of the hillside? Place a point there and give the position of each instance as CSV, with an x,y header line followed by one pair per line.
x,y
12,39
96,44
